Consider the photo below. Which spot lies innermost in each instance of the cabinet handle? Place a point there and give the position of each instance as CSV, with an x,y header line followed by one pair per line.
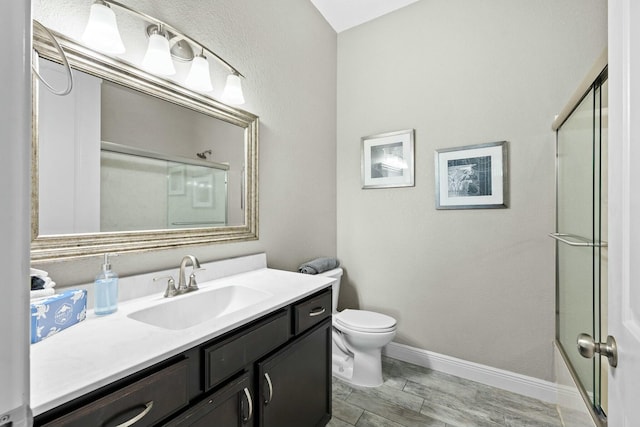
x,y
266,377
317,311
138,417
250,402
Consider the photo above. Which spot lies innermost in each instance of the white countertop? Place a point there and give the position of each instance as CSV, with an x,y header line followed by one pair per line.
x,y
103,349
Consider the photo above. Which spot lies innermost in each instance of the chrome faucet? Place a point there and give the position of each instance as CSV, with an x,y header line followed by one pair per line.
x,y
195,264
182,288
171,290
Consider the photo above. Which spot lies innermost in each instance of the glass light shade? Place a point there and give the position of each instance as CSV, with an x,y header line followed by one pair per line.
x,y
199,77
233,90
158,57
102,32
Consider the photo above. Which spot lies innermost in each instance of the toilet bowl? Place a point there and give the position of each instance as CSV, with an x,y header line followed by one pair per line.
x,y
358,339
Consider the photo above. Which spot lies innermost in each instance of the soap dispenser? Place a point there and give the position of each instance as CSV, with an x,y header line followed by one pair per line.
x,y
106,289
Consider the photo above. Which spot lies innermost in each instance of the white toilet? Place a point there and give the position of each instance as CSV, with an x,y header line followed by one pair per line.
x,y
358,339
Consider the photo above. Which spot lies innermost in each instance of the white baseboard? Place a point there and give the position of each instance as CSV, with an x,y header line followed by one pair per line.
x,y
506,380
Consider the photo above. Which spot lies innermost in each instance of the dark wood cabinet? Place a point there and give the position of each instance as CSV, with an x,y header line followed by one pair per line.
x,y
273,372
295,382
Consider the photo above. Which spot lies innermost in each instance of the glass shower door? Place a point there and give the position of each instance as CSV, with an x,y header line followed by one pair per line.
x,y
581,258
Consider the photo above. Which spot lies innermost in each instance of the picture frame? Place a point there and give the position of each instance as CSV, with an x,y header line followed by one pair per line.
x,y
472,177
175,185
203,191
388,160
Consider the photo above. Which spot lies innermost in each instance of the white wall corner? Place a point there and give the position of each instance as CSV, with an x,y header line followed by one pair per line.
x,y
499,378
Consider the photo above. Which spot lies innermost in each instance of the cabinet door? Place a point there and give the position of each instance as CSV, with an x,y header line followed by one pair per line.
x,y
295,382
231,406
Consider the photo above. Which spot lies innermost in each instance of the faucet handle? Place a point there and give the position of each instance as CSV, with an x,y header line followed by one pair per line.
x,y
193,285
171,286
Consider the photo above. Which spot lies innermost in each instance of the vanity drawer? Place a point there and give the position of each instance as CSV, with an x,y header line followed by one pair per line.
x,y
312,311
150,400
229,356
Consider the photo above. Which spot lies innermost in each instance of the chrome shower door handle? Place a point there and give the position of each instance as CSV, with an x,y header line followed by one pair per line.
x,y
588,348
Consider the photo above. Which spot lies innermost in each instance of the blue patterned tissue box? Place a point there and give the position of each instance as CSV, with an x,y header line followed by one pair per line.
x,y
52,314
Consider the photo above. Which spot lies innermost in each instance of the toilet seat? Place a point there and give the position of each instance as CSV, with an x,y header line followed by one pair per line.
x,y
365,321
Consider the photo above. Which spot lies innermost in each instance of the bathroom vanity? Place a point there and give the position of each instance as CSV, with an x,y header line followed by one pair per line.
x,y
265,362
251,347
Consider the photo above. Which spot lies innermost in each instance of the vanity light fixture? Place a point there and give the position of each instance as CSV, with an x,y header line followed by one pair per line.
x,y
157,59
199,77
102,32
165,43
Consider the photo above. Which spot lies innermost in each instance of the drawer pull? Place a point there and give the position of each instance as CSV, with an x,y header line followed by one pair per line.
x,y
266,377
317,311
249,401
141,415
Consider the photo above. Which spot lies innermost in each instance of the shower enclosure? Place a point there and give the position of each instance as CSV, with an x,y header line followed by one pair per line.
x,y
581,236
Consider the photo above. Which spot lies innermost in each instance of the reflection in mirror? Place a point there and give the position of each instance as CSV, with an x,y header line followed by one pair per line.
x,y
131,161
141,191
134,162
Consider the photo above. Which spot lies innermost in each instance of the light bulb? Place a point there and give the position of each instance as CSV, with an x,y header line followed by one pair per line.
x,y
233,90
199,77
102,32
158,57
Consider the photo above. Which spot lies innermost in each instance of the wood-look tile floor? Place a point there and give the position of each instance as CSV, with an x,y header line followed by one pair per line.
x,y
415,396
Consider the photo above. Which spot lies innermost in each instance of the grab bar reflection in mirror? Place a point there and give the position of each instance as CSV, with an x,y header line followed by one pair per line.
x,y
198,223
573,240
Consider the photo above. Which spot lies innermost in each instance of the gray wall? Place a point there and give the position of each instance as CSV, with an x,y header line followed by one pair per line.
x,y
473,284
288,53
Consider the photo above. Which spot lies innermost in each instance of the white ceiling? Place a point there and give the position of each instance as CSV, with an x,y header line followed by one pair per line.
x,y
344,14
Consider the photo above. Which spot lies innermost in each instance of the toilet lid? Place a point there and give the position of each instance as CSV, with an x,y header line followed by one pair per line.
x,y
365,321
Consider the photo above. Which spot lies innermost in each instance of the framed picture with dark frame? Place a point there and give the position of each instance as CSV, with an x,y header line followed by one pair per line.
x,y
472,177
387,160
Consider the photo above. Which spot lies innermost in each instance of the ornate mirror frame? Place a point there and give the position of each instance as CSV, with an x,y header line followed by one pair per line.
x,y
71,246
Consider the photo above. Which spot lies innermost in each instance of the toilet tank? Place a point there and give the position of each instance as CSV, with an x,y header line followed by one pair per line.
x,y
336,273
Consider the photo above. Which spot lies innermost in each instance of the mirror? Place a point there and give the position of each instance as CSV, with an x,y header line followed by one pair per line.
x,y
131,162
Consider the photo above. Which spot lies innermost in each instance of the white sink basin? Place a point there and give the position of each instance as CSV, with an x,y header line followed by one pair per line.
x,y
185,311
